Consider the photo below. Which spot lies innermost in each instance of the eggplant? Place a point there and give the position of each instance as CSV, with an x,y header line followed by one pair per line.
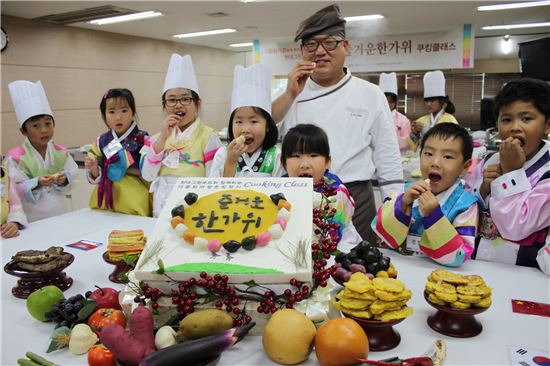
x,y
197,351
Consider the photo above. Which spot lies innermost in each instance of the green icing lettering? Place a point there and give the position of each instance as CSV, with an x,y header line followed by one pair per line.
x,y
219,268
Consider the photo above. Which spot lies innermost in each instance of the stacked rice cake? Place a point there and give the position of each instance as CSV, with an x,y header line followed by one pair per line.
x,y
125,243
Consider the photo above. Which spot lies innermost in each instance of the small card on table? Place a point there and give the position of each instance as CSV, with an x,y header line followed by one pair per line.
x,y
85,244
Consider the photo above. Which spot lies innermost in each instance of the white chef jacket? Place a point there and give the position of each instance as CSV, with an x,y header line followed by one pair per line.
x,y
355,115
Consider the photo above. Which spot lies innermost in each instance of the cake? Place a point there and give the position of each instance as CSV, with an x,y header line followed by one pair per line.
x,y
252,229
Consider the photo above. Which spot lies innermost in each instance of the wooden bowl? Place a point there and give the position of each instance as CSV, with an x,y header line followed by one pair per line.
x,y
121,267
458,323
381,335
32,281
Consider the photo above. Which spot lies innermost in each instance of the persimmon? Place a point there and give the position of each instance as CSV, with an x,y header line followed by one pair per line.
x,y
341,342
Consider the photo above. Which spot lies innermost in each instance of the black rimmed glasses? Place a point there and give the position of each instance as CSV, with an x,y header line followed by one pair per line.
x,y
172,102
329,44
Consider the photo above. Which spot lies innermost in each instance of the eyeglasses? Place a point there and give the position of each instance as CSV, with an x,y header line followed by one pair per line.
x,y
172,102
329,44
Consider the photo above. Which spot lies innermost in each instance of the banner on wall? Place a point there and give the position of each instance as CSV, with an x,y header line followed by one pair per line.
x,y
450,49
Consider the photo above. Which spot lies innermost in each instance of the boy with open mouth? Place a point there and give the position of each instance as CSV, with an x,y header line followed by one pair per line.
x,y
435,217
513,185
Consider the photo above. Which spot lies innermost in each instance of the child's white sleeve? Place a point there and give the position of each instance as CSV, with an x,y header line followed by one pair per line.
x,y
216,169
151,161
213,145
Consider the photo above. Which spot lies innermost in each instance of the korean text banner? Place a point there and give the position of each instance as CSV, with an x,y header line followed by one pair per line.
x,y
450,49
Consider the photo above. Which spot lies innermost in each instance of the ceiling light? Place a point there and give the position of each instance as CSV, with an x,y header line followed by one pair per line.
x,y
364,17
516,26
205,33
524,4
506,44
248,44
126,18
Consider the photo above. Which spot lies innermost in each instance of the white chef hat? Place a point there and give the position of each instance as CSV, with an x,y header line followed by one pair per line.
x,y
388,82
28,99
434,84
180,74
252,87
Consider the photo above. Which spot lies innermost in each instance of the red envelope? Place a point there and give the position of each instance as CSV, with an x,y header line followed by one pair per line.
x,y
530,307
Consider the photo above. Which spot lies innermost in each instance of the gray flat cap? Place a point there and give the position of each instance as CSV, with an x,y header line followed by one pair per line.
x,y
327,21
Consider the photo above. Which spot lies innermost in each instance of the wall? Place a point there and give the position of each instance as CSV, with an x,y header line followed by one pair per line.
x,y
76,67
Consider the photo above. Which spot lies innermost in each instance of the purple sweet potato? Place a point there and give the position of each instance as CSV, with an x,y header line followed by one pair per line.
x,y
141,328
127,348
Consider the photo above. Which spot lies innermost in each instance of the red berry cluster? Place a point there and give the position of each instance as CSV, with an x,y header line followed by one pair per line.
x,y
185,298
148,292
328,234
271,302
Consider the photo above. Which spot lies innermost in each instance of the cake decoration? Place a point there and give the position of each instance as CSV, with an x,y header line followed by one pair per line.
x,y
231,219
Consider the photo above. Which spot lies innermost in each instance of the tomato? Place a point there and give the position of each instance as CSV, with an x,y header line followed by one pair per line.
x,y
104,317
99,355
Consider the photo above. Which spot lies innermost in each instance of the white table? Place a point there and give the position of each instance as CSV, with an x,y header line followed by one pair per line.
x,y
501,327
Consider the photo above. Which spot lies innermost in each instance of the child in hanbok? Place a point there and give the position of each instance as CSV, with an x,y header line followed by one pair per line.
x,y
435,217
13,217
439,106
252,133
185,147
42,171
306,153
388,84
513,185
113,161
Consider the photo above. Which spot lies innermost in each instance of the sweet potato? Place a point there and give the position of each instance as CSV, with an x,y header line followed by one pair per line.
x,y
141,328
127,348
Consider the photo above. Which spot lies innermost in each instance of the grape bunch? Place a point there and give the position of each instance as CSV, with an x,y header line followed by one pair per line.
x,y
65,312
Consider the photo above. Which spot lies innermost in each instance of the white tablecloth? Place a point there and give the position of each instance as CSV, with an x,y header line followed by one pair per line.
x,y
501,327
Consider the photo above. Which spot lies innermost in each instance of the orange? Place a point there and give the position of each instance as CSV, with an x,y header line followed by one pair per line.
x,y
341,342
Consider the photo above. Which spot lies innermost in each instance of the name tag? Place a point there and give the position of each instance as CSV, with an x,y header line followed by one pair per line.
x,y
112,148
172,160
413,245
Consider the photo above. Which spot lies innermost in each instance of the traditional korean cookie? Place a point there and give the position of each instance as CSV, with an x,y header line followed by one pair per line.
x,y
447,297
359,282
430,286
354,303
470,299
382,274
393,296
483,303
445,288
469,290
387,316
474,280
460,305
365,314
378,307
453,278
388,284
392,272
436,300
355,295
486,290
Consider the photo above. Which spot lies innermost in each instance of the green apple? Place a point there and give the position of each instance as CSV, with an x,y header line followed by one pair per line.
x,y
41,301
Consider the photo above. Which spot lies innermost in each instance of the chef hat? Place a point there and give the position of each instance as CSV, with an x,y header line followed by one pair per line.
x,y
434,84
28,99
388,82
252,87
180,74
327,21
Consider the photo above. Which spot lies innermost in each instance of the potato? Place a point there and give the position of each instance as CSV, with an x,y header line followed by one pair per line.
x,y
203,323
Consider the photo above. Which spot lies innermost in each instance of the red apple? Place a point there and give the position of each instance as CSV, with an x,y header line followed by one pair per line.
x,y
106,297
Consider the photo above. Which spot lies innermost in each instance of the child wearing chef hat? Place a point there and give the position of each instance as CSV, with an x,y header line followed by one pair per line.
x,y
252,132
388,84
43,171
440,108
185,147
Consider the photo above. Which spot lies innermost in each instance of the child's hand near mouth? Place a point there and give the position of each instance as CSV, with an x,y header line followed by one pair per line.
x,y
512,156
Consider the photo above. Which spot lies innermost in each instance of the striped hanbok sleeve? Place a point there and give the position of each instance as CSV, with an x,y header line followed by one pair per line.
x,y
447,243
390,223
